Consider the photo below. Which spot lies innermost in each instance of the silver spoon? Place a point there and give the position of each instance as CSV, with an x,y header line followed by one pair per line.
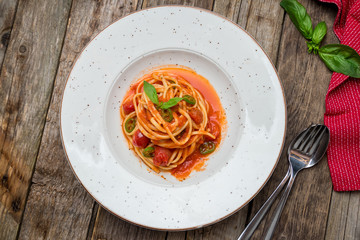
x,y
318,143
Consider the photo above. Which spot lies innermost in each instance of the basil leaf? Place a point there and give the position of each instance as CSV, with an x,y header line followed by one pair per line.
x,y
319,32
341,58
299,17
151,92
172,102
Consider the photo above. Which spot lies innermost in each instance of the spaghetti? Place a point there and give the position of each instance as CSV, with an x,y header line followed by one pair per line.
x,y
165,120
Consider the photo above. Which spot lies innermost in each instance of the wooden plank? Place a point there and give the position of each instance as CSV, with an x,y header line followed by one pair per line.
x,y
344,216
176,235
7,9
58,207
305,79
264,23
229,9
244,13
26,84
352,230
338,214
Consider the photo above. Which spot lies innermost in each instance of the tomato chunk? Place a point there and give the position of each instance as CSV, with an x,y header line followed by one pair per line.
x,y
161,156
196,115
214,129
128,107
140,140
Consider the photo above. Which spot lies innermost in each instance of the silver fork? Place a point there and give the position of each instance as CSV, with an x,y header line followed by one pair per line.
x,y
306,152
304,138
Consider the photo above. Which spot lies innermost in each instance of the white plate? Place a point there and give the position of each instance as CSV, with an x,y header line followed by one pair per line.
x,y
235,65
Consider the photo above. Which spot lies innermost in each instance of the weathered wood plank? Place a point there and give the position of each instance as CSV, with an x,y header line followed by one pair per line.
x,y
305,79
244,13
338,215
352,230
344,216
229,9
264,23
176,236
58,207
26,84
7,10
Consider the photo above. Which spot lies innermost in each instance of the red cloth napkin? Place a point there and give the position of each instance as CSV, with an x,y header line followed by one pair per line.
x,y
342,115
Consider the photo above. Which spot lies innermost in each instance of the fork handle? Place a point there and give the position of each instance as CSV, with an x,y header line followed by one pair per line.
x,y
277,212
251,227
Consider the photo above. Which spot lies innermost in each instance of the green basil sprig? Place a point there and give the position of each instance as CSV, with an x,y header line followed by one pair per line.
x,y
151,93
337,57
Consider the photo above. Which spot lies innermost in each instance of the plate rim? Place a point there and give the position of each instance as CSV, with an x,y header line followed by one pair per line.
x,y
283,137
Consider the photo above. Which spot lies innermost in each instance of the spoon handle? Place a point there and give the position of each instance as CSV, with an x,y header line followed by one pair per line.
x,y
251,227
277,212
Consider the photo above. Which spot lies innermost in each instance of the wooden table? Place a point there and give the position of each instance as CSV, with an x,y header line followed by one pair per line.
x,y
40,197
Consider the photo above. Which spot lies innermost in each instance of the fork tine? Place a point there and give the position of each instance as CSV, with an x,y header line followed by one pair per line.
x,y
301,138
308,137
313,137
307,145
317,141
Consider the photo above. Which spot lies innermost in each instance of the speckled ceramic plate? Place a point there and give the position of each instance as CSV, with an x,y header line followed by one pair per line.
x,y
215,48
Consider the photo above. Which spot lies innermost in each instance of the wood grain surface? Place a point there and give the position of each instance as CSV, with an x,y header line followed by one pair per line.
x,y
27,79
8,9
40,198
